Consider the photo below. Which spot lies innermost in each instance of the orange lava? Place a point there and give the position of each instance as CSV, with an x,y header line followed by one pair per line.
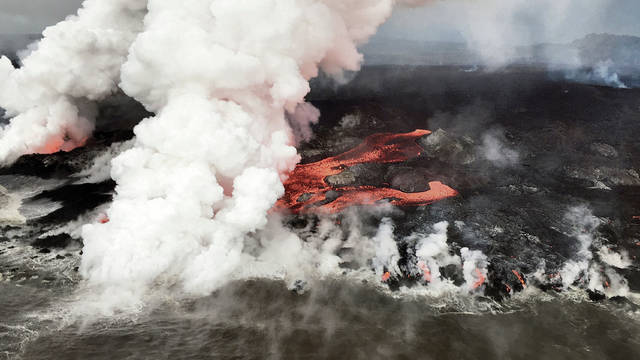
x,y
309,179
57,144
426,272
104,220
480,281
51,147
386,276
637,217
517,274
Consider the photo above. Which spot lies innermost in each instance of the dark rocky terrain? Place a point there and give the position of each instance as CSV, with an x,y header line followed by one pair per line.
x,y
557,145
520,147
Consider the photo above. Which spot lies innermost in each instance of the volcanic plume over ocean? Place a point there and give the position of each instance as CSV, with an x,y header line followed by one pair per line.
x,y
165,161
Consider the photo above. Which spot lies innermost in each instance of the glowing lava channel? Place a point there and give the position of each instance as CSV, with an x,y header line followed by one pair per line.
x,y
306,188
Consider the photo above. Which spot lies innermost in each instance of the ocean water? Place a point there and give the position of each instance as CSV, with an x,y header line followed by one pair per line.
x,y
335,319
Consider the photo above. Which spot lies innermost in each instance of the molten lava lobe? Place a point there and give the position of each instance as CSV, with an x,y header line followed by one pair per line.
x,y
307,190
480,281
517,274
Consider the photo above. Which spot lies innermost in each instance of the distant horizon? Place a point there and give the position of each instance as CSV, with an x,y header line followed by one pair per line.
x,y
384,38
454,21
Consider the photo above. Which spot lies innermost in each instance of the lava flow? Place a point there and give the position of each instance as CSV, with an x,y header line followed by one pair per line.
x,y
57,145
306,188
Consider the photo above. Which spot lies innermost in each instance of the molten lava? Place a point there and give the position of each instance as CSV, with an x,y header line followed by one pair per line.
x,y
386,276
480,280
426,272
51,147
306,188
56,145
517,274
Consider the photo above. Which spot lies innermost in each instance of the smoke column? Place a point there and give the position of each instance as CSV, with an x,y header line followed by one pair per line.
x,y
78,61
223,78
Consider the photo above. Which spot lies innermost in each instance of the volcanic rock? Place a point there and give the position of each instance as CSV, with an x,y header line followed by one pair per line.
x,y
305,197
57,241
448,148
408,179
345,178
605,177
605,150
372,174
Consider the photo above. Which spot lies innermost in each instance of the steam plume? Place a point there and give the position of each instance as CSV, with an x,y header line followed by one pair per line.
x,y
77,62
221,77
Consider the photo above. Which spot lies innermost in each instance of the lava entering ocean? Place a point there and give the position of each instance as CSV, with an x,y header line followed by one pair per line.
x,y
306,188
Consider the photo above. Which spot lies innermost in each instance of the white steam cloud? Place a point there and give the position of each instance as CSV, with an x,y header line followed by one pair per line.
x,y
78,61
495,150
221,77
582,268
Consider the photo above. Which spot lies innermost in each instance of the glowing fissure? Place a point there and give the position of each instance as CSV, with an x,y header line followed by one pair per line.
x,y
309,179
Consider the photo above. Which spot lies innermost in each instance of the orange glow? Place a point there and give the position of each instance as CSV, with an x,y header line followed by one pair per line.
x,y
517,274
51,147
480,280
637,217
386,276
58,144
606,284
104,219
426,272
308,180
508,288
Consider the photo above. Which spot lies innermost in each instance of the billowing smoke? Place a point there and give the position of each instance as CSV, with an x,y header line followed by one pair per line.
x,y
563,35
301,121
50,97
601,74
224,79
386,250
584,224
582,269
494,148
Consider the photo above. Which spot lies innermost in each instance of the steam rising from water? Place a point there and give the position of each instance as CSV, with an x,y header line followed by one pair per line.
x,y
220,75
224,78
78,61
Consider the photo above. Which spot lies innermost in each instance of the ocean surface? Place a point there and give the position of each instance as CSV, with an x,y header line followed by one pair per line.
x,y
335,319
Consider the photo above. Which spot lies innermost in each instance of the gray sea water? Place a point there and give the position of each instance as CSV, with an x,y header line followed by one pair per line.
x,y
335,319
